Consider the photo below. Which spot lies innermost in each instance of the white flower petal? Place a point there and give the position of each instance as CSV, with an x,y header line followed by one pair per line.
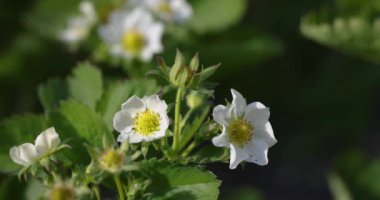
x,y
154,136
258,152
238,103
135,138
138,19
88,10
221,114
28,153
257,114
122,121
154,36
113,31
146,55
164,123
15,156
77,30
47,141
154,103
265,133
237,155
221,140
182,10
133,105
123,137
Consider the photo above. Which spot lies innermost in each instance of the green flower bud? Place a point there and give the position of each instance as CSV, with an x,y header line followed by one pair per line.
x,y
181,74
195,99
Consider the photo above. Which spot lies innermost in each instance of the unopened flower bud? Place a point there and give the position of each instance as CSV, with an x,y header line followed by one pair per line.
x,y
195,99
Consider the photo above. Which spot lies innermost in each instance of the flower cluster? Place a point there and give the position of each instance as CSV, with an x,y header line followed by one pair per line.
x,y
154,131
131,30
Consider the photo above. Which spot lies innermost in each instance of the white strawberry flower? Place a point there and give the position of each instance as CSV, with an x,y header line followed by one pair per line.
x,y
169,10
143,119
28,154
133,34
79,27
246,130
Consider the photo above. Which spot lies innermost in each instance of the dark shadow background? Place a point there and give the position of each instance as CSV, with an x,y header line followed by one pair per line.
x,y
324,104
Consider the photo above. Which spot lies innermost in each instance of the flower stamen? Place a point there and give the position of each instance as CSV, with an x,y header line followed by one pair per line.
x,y
133,42
240,132
146,122
164,7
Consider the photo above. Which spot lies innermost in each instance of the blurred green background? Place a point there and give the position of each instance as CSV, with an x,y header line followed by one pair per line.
x,y
322,89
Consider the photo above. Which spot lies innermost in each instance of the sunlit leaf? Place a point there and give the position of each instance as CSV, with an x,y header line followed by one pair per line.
x,y
172,181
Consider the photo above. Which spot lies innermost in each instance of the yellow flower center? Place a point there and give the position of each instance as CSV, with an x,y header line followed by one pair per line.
x,y
146,122
112,160
164,7
133,42
240,132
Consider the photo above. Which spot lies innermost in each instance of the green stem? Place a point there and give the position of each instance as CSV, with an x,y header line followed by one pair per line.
x,y
119,186
186,117
177,119
97,192
187,151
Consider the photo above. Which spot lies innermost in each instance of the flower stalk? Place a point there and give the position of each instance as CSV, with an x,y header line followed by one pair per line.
x,y
191,146
119,186
177,119
97,192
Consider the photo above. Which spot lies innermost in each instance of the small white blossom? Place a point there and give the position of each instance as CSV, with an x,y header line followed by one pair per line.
x,y
143,119
27,154
246,131
133,34
79,27
169,10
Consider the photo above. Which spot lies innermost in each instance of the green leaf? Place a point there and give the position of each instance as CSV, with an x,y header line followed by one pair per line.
x,y
244,193
216,15
15,131
368,181
114,96
191,128
210,153
174,181
118,92
51,93
86,84
79,123
209,71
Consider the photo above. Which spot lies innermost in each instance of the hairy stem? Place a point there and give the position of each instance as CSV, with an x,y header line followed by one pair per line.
x,y
97,192
188,150
119,186
177,118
